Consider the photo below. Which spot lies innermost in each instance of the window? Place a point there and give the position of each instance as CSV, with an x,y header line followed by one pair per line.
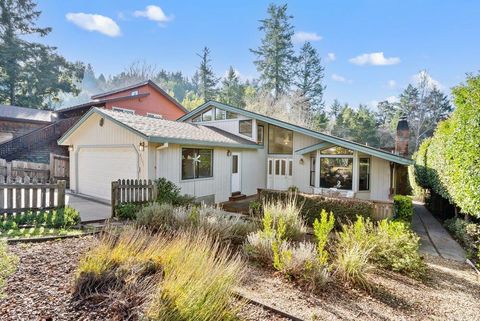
x,y
364,175
234,164
197,119
208,115
280,140
270,165
260,134
134,93
336,150
231,115
153,115
124,110
197,163
290,167
245,127
220,114
283,162
336,172
313,160
277,167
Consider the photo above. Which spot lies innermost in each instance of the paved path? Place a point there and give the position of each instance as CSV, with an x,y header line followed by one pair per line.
x,y
434,239
90,210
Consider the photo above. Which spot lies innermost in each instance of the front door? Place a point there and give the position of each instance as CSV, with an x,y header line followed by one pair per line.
x,y
236,172
280,172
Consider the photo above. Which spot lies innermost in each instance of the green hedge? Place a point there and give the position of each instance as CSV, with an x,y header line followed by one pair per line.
x,y
344,209
449,163
60,218
403,208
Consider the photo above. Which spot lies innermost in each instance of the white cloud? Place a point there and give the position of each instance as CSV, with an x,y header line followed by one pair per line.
x,y
339,78
302,36
94,22
331,56
154,13
425,76
375,59
392,83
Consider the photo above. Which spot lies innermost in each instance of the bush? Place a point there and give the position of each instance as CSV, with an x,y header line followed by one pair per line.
x,y
66,217
258,247
287,213
403,208
468,234
8,265
127,211
157,217
168,192
397,249
354,249
344,209
187,276
321,230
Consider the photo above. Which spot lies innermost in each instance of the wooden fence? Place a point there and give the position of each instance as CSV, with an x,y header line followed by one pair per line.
x,y
59,167
132,191
382,210
19,197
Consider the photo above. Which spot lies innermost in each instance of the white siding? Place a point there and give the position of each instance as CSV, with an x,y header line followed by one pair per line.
x,y
254,170
90,133
380,179
301,172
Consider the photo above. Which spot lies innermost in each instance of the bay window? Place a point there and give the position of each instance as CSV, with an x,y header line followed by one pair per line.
x,y
197,163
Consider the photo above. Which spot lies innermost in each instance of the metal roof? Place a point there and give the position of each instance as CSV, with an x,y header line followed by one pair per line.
x,y
26,113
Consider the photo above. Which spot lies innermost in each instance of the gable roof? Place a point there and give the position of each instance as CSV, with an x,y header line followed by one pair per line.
x,y
167,131
324,137
101,102
26,113
140,84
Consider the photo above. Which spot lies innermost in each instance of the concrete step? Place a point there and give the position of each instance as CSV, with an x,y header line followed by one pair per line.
x,y
237,197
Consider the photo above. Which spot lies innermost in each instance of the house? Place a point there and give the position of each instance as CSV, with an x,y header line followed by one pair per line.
x,y
19,142
218,150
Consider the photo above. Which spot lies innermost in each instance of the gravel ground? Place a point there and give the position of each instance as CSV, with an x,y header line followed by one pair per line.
x,y
40,290
41,287
451,292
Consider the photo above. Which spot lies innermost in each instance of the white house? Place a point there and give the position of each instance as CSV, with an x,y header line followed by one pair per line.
x,y
217,150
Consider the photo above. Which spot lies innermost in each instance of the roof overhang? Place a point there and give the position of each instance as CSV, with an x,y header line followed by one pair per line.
x,y
313,148
324,137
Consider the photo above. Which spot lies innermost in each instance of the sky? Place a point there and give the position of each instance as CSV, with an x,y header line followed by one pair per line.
x,y
371,50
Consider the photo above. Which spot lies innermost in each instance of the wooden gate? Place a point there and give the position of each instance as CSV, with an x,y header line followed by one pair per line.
x,y
59,168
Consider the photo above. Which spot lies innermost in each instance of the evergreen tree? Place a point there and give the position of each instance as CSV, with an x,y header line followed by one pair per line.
x,y
335,109
206,77
232,91
275,56
31,74
309,76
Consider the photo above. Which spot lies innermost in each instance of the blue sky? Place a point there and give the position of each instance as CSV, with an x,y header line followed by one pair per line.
x,y
440,36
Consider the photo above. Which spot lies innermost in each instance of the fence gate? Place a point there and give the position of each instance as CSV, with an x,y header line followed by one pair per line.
x,y
132,191
59,168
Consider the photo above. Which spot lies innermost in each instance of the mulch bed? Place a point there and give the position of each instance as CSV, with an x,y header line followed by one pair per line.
x,y
41,290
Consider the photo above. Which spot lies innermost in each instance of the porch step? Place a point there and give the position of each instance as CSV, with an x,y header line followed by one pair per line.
x,y
237,196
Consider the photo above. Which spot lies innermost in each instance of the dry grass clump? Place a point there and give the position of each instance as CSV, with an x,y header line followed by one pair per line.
x,y
289,214
184,276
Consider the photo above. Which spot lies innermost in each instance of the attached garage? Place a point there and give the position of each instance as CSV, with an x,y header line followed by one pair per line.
x,y
99,166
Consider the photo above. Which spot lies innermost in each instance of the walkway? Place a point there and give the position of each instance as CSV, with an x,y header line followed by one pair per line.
x,y
434,239
90,210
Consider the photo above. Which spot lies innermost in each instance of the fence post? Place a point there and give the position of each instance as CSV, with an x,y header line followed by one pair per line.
x,y
52,168
61,193
114,196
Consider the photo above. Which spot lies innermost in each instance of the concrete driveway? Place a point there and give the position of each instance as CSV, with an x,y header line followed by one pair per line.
x,y
90,210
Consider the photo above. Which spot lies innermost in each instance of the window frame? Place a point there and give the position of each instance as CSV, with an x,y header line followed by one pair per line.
x,y
243,121
332,156
313,161
206,112
224,113
369,173
261,130
196,151
270,126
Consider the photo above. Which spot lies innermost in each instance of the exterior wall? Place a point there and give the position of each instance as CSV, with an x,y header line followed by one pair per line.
x,y
379,179
10,129
155,103
301,172
90,133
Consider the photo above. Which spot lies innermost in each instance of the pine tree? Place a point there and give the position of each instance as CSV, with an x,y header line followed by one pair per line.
x,y
232,91
309,75
275,56
206,77
31,74
335,109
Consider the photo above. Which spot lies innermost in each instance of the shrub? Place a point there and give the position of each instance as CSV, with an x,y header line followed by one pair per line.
x,y
397,248
127,211
8,265
259,247
403,208
321,230
354,251
289,213
468,234
255,208
168,192
187,276
66,217
157,216
344,209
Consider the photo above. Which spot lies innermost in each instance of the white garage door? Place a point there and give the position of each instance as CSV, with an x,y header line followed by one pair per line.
x,y
98,167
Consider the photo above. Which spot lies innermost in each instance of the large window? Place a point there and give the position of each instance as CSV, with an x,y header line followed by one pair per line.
x,y
336,172
208,115
280,140
220,114
197,163
364,175
245,127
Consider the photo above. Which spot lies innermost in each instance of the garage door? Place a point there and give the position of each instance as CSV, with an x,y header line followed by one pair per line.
x,y
98,167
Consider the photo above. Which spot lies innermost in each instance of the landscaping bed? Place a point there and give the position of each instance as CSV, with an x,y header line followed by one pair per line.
x,y
41,289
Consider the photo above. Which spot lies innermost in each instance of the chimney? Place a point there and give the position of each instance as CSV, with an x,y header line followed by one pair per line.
x,y
402,137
